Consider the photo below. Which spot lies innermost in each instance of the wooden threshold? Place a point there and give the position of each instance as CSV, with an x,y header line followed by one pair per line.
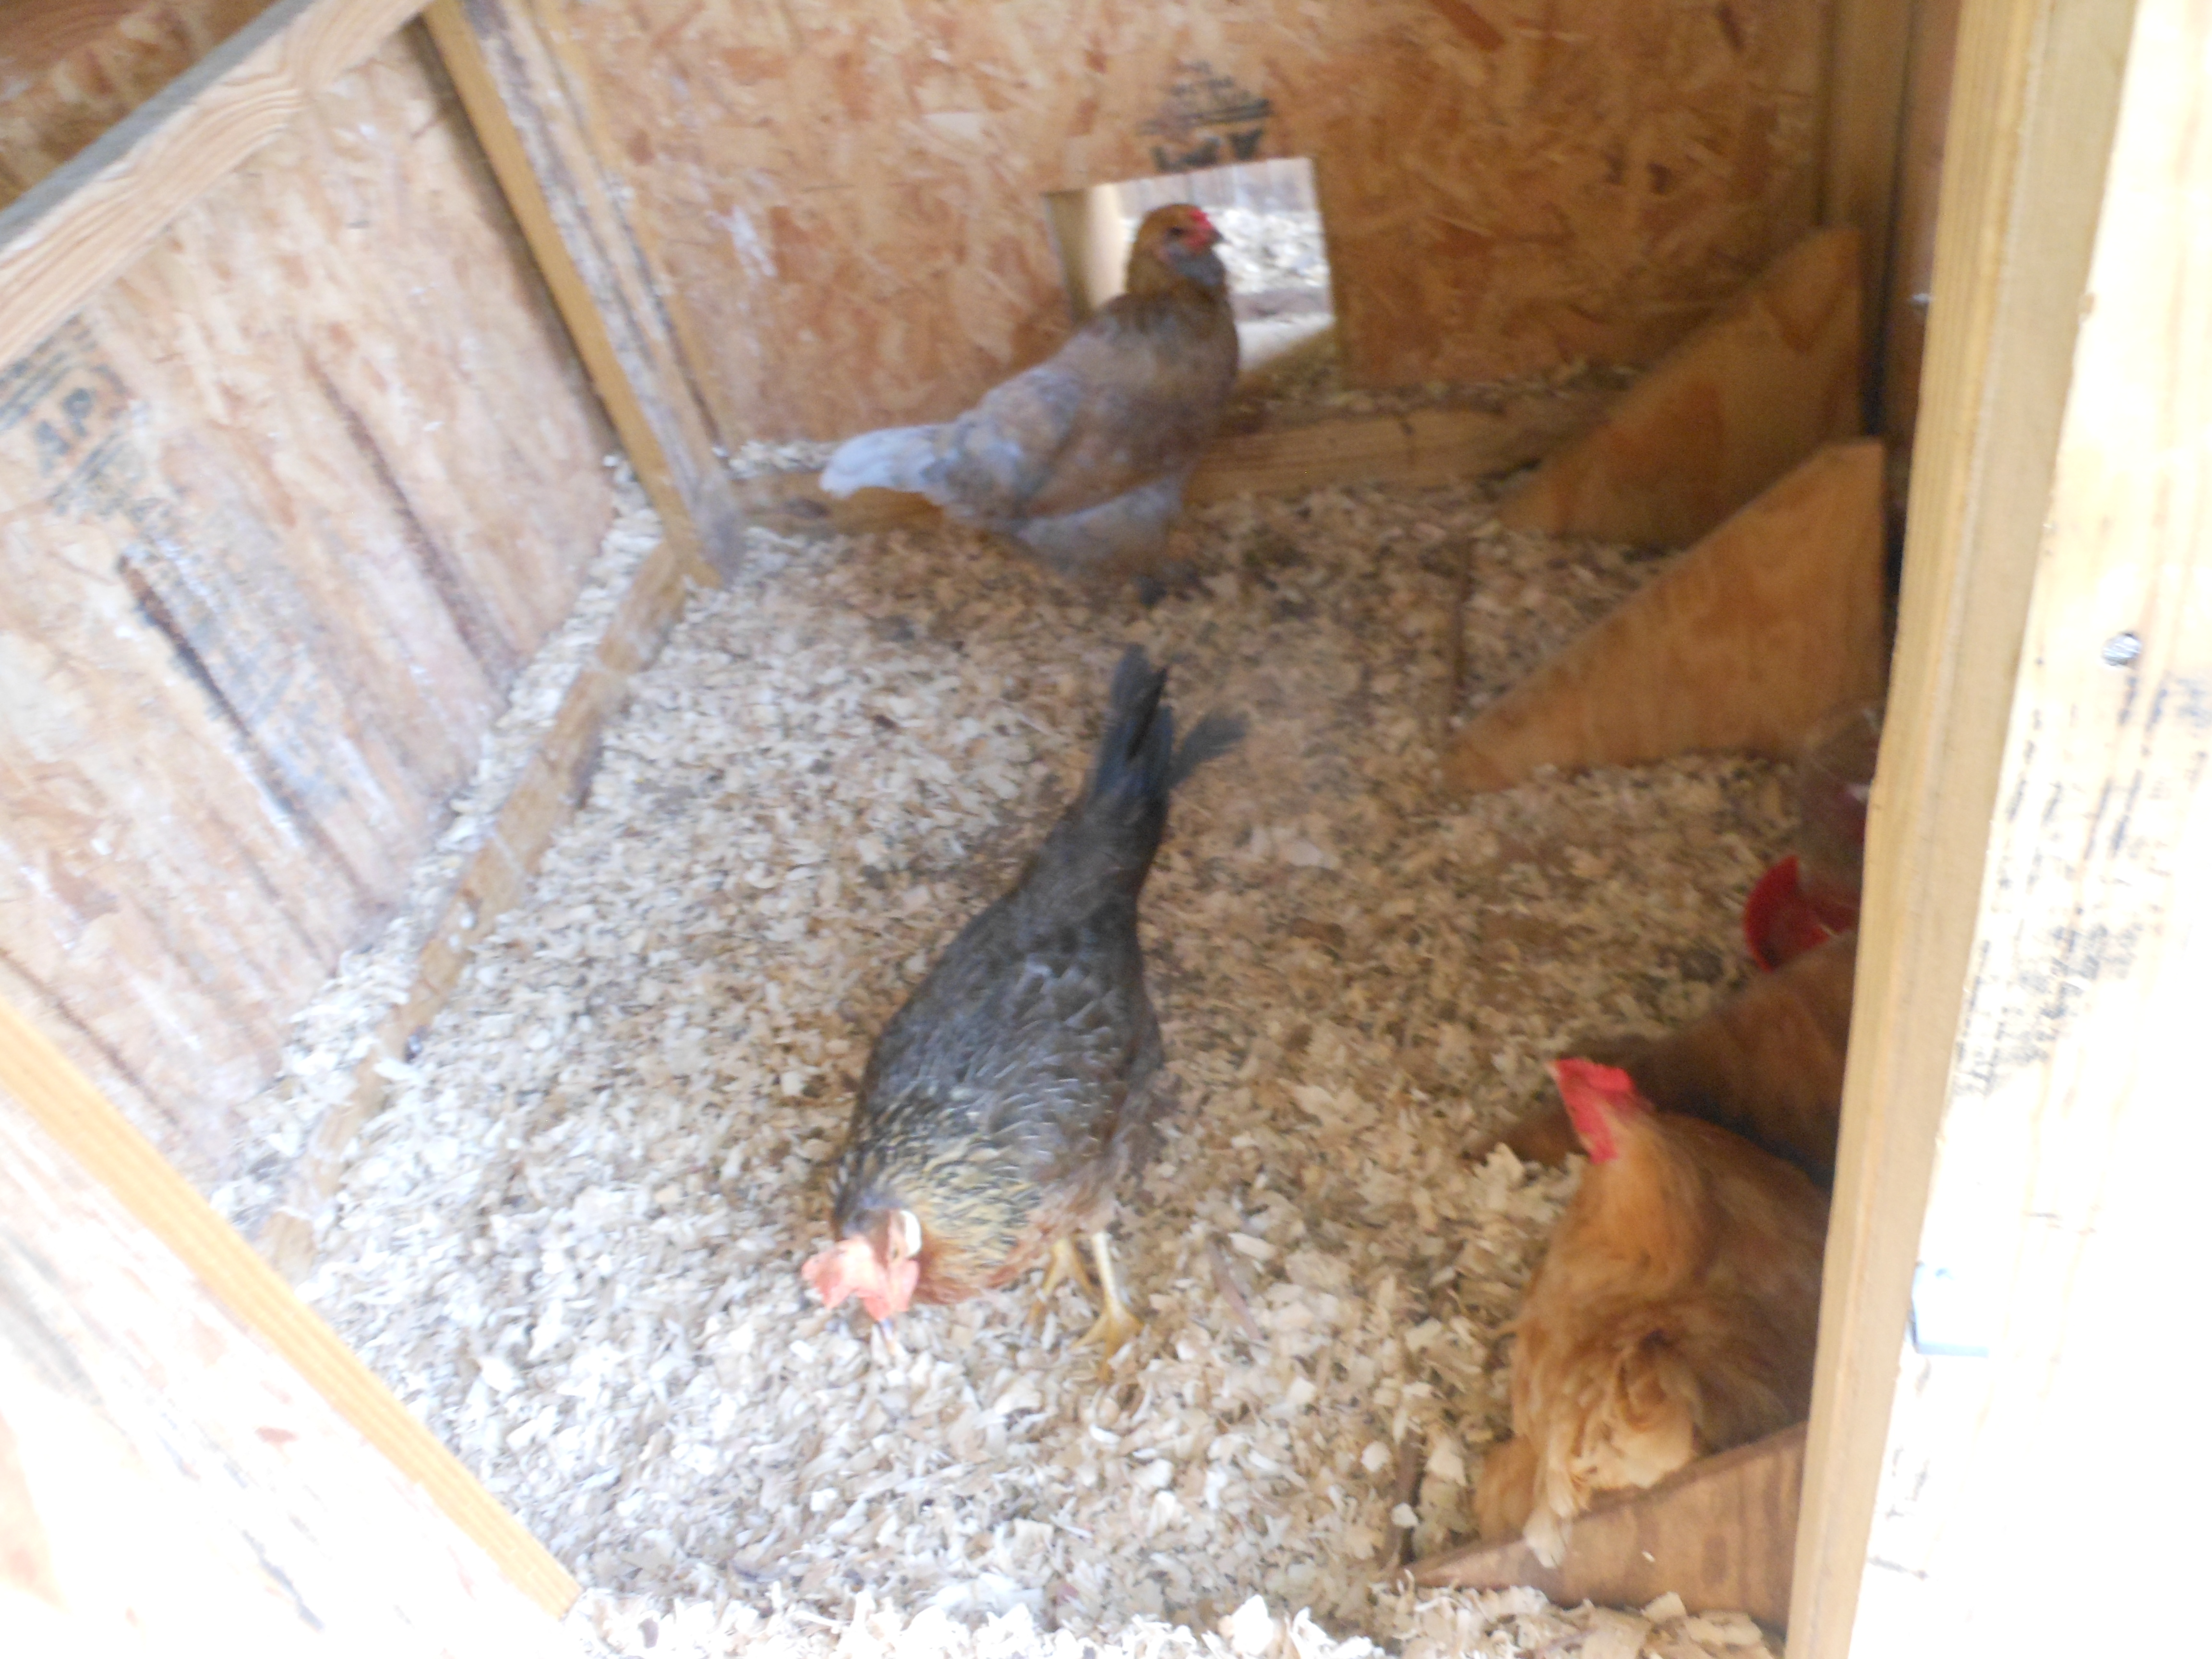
x,y
62,238
1422,449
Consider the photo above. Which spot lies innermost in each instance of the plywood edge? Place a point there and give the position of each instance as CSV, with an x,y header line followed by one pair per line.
x,y
62,238
497,55
1422,449
624,401
546,795
1719,1533
91,1130
1741,642
1752,393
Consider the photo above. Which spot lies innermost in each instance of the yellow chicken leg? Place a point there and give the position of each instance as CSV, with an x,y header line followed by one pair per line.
x,y
1064,1263
1117,1324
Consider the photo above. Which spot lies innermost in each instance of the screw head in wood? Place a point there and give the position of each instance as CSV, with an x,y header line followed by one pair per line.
x,y
2122,649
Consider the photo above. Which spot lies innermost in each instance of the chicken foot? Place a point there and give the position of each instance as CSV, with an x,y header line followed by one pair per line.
x,y
1117,1324
1064,1263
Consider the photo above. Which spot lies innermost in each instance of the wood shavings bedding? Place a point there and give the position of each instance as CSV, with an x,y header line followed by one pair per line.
x,y
334,1031
571,1242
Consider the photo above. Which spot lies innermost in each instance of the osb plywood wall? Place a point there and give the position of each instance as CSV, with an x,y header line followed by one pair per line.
x,y
282,510
842,200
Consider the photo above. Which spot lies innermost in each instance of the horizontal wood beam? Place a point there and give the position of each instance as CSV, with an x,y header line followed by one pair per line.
x,y
89,1129
62,238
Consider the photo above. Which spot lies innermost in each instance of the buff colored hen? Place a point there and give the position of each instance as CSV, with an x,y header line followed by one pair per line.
x,y
1674,1317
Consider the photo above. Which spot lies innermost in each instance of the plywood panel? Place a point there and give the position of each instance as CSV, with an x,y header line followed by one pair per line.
x,y
286,506
842,203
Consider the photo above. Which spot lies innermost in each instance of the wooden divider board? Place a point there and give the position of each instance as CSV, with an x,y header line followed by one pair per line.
x,y
2032,115
1424,448
192,1353
1747,397
1743,642
1719,1533
2049,1492
520,102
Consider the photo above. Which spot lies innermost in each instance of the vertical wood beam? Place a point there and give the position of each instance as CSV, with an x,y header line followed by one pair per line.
x,y
539,147
2032,116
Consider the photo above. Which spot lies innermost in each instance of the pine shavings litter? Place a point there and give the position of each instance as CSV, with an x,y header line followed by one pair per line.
x,y
571,1242
333,1033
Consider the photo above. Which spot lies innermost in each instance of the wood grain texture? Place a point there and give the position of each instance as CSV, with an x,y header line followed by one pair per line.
x,y
1741,642
1423,449
184,1346
285,508
1869,56
1719,1533
70,70
840,206
2067,1195
642,408
68,235
2032,114
544,798
1729,410
1906,292
532,102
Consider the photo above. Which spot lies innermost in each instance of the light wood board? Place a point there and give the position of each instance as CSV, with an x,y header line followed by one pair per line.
x,y
1719,1533
531,100
2018,1489
64,1143
2032,114
287,505
63,238
1743,642
1422,449
841,206
1747,397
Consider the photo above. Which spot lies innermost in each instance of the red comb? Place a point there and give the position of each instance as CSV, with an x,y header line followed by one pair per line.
x,y
1594,1095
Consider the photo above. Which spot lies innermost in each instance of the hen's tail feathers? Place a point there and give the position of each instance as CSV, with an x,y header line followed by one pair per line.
x,y
893,459
1138,762
1136,752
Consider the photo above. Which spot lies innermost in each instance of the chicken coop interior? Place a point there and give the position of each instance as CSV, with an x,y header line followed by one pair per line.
x,y
1671,1117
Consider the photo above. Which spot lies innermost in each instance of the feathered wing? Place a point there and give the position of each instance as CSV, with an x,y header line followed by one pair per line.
x,y
983,465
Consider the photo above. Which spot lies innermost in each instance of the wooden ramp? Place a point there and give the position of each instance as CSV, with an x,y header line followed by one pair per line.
x,y
1720,1533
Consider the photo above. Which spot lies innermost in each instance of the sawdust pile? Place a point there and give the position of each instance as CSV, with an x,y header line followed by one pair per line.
x,y
572,1242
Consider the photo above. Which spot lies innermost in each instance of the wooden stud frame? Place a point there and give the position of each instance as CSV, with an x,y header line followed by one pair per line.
x,y
2050,673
